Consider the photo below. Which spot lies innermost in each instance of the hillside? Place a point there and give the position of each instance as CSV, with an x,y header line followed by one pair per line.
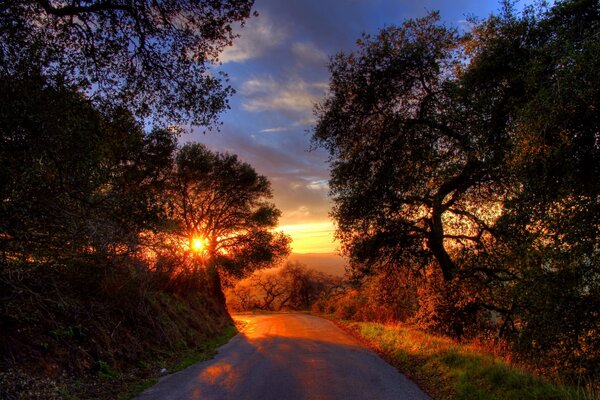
x,y
91,332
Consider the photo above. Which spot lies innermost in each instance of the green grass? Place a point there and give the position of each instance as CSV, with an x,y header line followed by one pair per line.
x,y
448,370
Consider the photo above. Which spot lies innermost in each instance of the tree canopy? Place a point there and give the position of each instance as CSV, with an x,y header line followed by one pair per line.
x,y
92,183
74,179
152,57
419,145
475,153
222,202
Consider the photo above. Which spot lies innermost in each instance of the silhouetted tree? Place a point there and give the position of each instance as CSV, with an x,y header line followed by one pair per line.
x,y
149,56
222,201
476,154
550,227
422,147
75,179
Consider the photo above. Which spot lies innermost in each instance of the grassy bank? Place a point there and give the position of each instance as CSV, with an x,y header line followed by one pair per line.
x,y
448,370
178,361
102,331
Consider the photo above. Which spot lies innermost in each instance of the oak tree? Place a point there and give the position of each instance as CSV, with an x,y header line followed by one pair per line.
x,y
222,203
152,57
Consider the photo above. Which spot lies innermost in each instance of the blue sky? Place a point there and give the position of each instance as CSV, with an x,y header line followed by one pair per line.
x,y
279,68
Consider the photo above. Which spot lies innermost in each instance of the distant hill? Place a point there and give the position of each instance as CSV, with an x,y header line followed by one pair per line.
x,y
329,263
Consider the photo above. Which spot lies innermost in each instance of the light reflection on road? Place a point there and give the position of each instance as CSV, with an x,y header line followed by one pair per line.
x,y
288,356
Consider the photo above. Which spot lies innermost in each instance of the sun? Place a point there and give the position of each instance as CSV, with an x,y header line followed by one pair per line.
x,y
197,244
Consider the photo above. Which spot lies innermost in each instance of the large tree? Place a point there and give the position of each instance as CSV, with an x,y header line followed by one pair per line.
x,y
220,205
550,227
151,56
475,154
74,179
420,146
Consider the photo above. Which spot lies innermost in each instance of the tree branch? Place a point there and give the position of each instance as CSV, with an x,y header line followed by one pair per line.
x,y
71,9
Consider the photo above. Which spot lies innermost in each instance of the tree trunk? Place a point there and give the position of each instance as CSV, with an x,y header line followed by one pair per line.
x,y
435,243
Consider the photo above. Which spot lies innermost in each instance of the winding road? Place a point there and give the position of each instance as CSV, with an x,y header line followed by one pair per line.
x,y
288,357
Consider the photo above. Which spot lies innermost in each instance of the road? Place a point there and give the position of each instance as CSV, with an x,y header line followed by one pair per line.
x,y
288,357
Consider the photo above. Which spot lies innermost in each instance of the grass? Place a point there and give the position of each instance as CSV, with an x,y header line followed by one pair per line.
x,y
92,332
181,361
207,351
449,370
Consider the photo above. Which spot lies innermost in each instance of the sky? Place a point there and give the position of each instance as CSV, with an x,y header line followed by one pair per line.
x,y
278,66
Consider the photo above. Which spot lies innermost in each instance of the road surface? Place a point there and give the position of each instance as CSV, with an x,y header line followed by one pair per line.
x,y
288,357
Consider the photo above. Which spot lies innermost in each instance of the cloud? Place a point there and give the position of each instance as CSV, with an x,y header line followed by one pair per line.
x,y
465,25
308,53
276,129
308,121
267,94
320,184
296,176
300,212
256,38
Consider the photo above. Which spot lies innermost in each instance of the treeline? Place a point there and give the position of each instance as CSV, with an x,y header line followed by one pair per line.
x,y
81,182
113,238
293,286
464,177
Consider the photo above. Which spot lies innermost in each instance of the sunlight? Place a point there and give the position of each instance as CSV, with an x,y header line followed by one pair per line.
x,y
197,244
315,237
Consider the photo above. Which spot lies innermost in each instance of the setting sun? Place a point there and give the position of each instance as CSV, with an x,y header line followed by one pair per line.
x,y
197,244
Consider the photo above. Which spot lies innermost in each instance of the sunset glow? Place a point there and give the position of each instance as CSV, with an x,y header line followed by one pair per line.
x,y
315,237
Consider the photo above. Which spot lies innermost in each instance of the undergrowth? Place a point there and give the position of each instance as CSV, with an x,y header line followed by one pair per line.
x,y
453,371
86,331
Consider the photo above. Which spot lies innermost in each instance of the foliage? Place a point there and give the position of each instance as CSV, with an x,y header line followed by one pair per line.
x,y
223,201
391,296
449,370
151,57
291,287
552,224
89,330
92,183
85,182
393,108
476,153
96,292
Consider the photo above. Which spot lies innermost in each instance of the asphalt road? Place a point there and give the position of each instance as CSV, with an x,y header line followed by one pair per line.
x,y
288,357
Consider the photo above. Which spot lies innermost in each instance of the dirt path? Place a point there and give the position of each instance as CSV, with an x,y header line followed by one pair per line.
x,y
288,357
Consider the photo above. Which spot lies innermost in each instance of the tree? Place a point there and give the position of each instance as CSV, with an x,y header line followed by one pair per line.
x,y
75,179
475,155
293,286
219,205
552,224
149,56
417,144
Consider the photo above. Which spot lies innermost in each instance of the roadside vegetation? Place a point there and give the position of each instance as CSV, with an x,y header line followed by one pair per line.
x,y
291,287
463,177
114,239
448,370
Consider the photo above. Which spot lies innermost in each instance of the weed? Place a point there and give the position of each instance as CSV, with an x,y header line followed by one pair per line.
x,y
104,370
